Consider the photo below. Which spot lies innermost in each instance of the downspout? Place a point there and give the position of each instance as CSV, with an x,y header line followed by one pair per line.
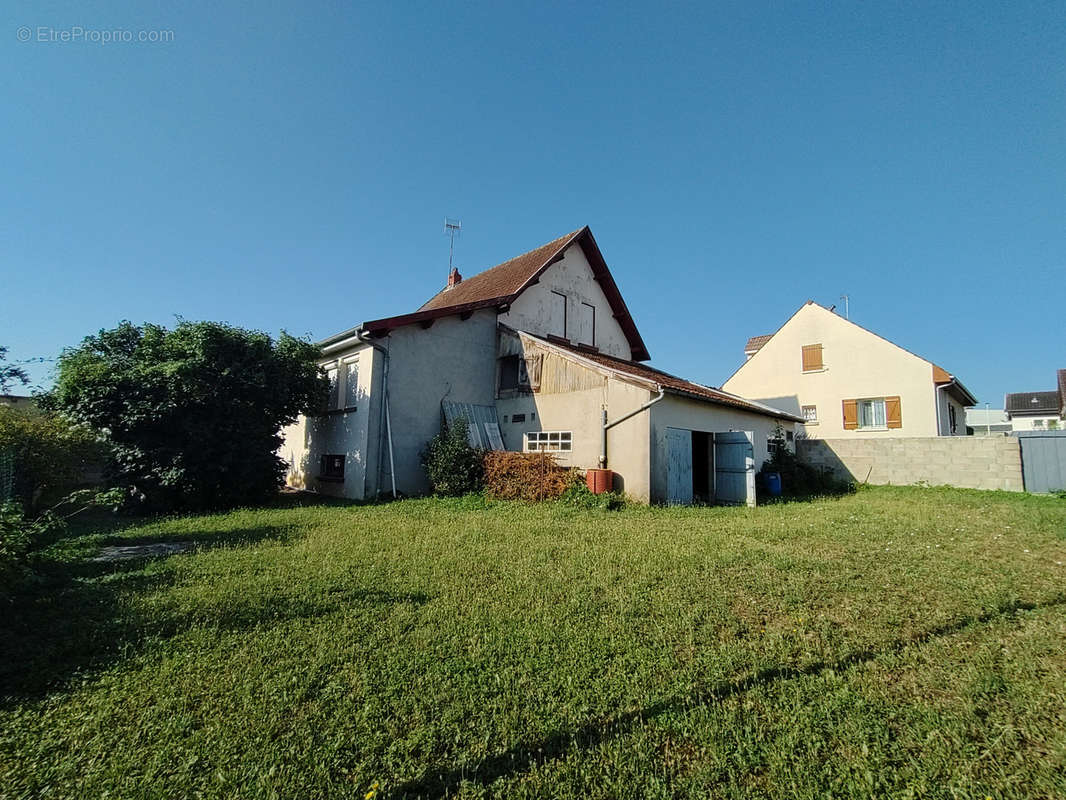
x,y
361,336
608,425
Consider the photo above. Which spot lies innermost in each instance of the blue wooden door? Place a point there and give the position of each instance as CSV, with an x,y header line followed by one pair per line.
x,y
734,468
678,467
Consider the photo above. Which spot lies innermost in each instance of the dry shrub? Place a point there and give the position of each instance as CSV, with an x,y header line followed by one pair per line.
x,y
526,476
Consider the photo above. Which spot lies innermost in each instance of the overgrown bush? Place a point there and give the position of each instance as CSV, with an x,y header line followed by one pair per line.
x,y
526,476
800,480
47,454
580,496
192,415
452,465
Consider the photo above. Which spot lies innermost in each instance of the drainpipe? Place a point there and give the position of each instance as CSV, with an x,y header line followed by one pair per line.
x,y
361,335
608,425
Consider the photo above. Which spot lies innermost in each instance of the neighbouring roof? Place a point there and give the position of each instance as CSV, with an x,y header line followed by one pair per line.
x,y
501,285
756,342
1020,403
670,383
940,375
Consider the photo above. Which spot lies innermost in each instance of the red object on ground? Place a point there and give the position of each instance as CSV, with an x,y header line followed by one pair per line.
x,y
599,480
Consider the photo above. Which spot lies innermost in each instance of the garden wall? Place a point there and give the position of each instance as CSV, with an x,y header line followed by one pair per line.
x,y
970,462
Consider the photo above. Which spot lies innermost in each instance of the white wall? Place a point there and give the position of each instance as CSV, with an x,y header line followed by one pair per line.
x,y
1029,423
572,276
857,364
345,433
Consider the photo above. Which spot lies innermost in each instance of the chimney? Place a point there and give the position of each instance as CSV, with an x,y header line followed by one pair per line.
x,y
454,278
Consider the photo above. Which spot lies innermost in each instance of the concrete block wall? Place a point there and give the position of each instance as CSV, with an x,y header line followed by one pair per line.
x,y
969,462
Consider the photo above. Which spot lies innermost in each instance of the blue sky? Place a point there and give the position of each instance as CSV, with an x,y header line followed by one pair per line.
x,y
290,167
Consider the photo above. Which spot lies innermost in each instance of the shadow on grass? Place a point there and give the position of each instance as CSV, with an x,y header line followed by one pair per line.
x,y
528,755
75,618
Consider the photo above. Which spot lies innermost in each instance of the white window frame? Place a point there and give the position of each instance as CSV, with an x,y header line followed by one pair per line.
x,y
548,441
872,401
813,418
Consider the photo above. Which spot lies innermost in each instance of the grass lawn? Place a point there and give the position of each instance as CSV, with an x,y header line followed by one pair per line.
x,y
897,643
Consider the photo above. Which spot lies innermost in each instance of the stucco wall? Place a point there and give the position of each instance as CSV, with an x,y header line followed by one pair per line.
x,y
858,364
572,276
693,415
454,360
347,433
967,462
1028,423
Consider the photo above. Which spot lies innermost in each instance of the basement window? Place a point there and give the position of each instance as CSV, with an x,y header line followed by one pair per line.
x,y
331,468
549,441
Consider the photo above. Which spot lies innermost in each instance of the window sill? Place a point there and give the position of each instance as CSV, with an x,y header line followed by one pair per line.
x,y
814,371
873,429
335,411
810,422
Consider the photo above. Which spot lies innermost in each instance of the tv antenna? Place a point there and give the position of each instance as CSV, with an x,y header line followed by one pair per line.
x,y
845,298
452,227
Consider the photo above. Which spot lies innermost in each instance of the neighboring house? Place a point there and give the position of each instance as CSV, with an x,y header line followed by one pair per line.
x,y
1038,411
537,353
20,401
846,381
988,422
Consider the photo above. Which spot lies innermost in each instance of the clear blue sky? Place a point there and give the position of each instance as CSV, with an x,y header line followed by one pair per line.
x,y
289,165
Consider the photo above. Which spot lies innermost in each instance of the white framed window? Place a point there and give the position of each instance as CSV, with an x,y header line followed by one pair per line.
x,y
549,441
1038,423
872,413
343,377
810,413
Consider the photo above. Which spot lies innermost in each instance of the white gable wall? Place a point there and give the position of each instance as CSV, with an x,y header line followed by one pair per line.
x,y
537,309
858,364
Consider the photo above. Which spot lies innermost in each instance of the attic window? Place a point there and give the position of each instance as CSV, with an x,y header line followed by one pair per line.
x,y
520,374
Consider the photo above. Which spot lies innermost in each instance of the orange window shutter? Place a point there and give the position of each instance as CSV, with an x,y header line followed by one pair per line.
x,y
893,412
812,357
851,415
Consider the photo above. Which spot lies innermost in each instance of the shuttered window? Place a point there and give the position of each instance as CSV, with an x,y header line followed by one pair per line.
x,y
812,357
876,413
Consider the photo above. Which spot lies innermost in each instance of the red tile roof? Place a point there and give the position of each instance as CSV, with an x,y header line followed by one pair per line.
x,y
501,285
670,383
756,342
501,281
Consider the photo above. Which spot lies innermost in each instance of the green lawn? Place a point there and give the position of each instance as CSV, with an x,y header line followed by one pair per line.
x,y
900,642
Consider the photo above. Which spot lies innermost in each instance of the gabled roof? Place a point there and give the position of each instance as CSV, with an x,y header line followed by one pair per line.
x,y
756,342
1042,403
501,285
670,383
940,375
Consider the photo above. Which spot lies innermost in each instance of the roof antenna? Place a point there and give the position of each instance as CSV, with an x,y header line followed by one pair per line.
x,y
451,228
845,298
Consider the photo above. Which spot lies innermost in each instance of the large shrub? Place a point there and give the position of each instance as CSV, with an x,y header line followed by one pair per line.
x,y
193,415
43,454
452,465
526,476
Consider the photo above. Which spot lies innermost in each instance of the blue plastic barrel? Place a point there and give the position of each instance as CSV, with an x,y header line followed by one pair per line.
x,y
773,483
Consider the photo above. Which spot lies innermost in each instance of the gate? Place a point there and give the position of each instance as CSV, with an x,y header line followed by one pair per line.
x,y
678,467
1043,460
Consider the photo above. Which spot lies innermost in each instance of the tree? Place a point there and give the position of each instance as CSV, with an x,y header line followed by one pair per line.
x,y
10,374
193,415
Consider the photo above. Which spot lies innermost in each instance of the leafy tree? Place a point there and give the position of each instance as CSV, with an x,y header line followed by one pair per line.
x,y
10,374
193,415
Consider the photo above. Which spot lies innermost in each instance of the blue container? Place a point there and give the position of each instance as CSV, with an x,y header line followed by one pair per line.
x,y
772,480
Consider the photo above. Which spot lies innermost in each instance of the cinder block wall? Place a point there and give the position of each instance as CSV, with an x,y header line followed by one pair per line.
x,y
971,462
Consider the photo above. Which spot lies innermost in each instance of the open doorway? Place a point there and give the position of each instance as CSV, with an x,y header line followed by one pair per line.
x,y
702,468
712,468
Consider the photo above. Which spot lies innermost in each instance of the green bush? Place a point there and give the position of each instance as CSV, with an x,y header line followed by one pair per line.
x,y
45,454
579,496
454,467
192,415
19,536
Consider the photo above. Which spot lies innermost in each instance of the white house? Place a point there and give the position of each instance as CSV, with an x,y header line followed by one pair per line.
x,y
846,381
539,353
1038,411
